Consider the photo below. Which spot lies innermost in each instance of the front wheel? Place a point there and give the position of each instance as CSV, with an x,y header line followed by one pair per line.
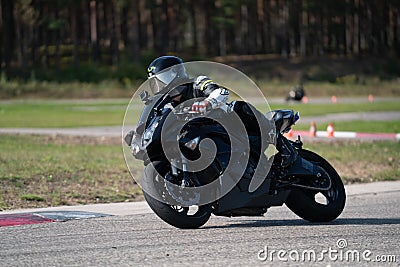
x,y
175,215
322,206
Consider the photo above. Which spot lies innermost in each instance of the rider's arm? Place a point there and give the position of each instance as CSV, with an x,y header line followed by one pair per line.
x,y
215,95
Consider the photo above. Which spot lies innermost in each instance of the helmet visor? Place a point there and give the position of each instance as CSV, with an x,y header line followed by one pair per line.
x,y
160,80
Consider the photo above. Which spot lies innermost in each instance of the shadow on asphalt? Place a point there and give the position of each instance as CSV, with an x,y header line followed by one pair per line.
x,y
299,222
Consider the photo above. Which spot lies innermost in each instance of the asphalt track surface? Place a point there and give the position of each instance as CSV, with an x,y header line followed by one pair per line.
x,y
134,236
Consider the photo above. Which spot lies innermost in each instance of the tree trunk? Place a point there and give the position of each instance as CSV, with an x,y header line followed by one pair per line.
x,y
295,23
45,60
133,33
146,26
348,27
396,33
385,27
156,30
284,34
74,35
114,38
124,23
34,30
244,14
18,31
222,41
173,24
252,26
93,31
57,38
7,8
208,34
1,43
164,33
260,26
320,19
357,37
193,27
303,31
83,26
22,39
267,27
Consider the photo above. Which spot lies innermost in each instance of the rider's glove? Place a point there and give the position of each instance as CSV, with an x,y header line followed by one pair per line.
x,y
216,96
202,106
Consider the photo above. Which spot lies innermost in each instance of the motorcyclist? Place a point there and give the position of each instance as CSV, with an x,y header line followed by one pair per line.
x,y
169,72
297,93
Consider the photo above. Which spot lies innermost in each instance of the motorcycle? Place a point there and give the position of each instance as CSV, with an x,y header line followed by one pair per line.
x,y
174,191
296,94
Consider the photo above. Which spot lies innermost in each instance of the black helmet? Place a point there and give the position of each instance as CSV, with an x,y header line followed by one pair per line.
x,y
164,70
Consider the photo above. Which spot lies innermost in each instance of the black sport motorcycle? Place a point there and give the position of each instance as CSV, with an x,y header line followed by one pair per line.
x,y
246,182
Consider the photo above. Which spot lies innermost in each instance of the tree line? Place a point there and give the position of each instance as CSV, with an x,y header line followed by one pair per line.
x,y
55,33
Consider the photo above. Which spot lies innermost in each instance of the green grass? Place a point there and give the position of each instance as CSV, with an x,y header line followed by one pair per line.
x,y
32,197
50,114
359,161
44,171
322,109
357,126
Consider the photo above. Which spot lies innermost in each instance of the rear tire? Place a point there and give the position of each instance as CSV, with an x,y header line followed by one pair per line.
x,y
303,202
174,215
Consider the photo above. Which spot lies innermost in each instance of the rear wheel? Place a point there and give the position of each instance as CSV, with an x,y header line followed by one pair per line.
x,y
318,206
156,196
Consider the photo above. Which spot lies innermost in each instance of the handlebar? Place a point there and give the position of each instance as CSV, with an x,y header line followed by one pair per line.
x,y
186,115
186,110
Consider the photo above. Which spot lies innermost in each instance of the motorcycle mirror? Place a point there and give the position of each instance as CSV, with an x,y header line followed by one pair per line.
x,y
144,96
128,138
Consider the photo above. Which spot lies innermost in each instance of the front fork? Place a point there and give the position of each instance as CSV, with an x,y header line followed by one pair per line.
x,y
185,175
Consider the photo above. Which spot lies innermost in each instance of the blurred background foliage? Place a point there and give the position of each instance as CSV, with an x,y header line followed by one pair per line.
x,y
92,41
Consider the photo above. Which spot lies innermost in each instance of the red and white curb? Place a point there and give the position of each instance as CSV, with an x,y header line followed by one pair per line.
x,y
46,217
66,213
350,135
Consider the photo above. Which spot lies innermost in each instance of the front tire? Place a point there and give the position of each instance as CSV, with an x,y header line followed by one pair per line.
x,y
174,215
303,201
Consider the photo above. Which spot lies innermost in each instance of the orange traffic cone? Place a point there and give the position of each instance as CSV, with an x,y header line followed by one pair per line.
x,y
329,130
371,98
304,99
313,129
333,99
